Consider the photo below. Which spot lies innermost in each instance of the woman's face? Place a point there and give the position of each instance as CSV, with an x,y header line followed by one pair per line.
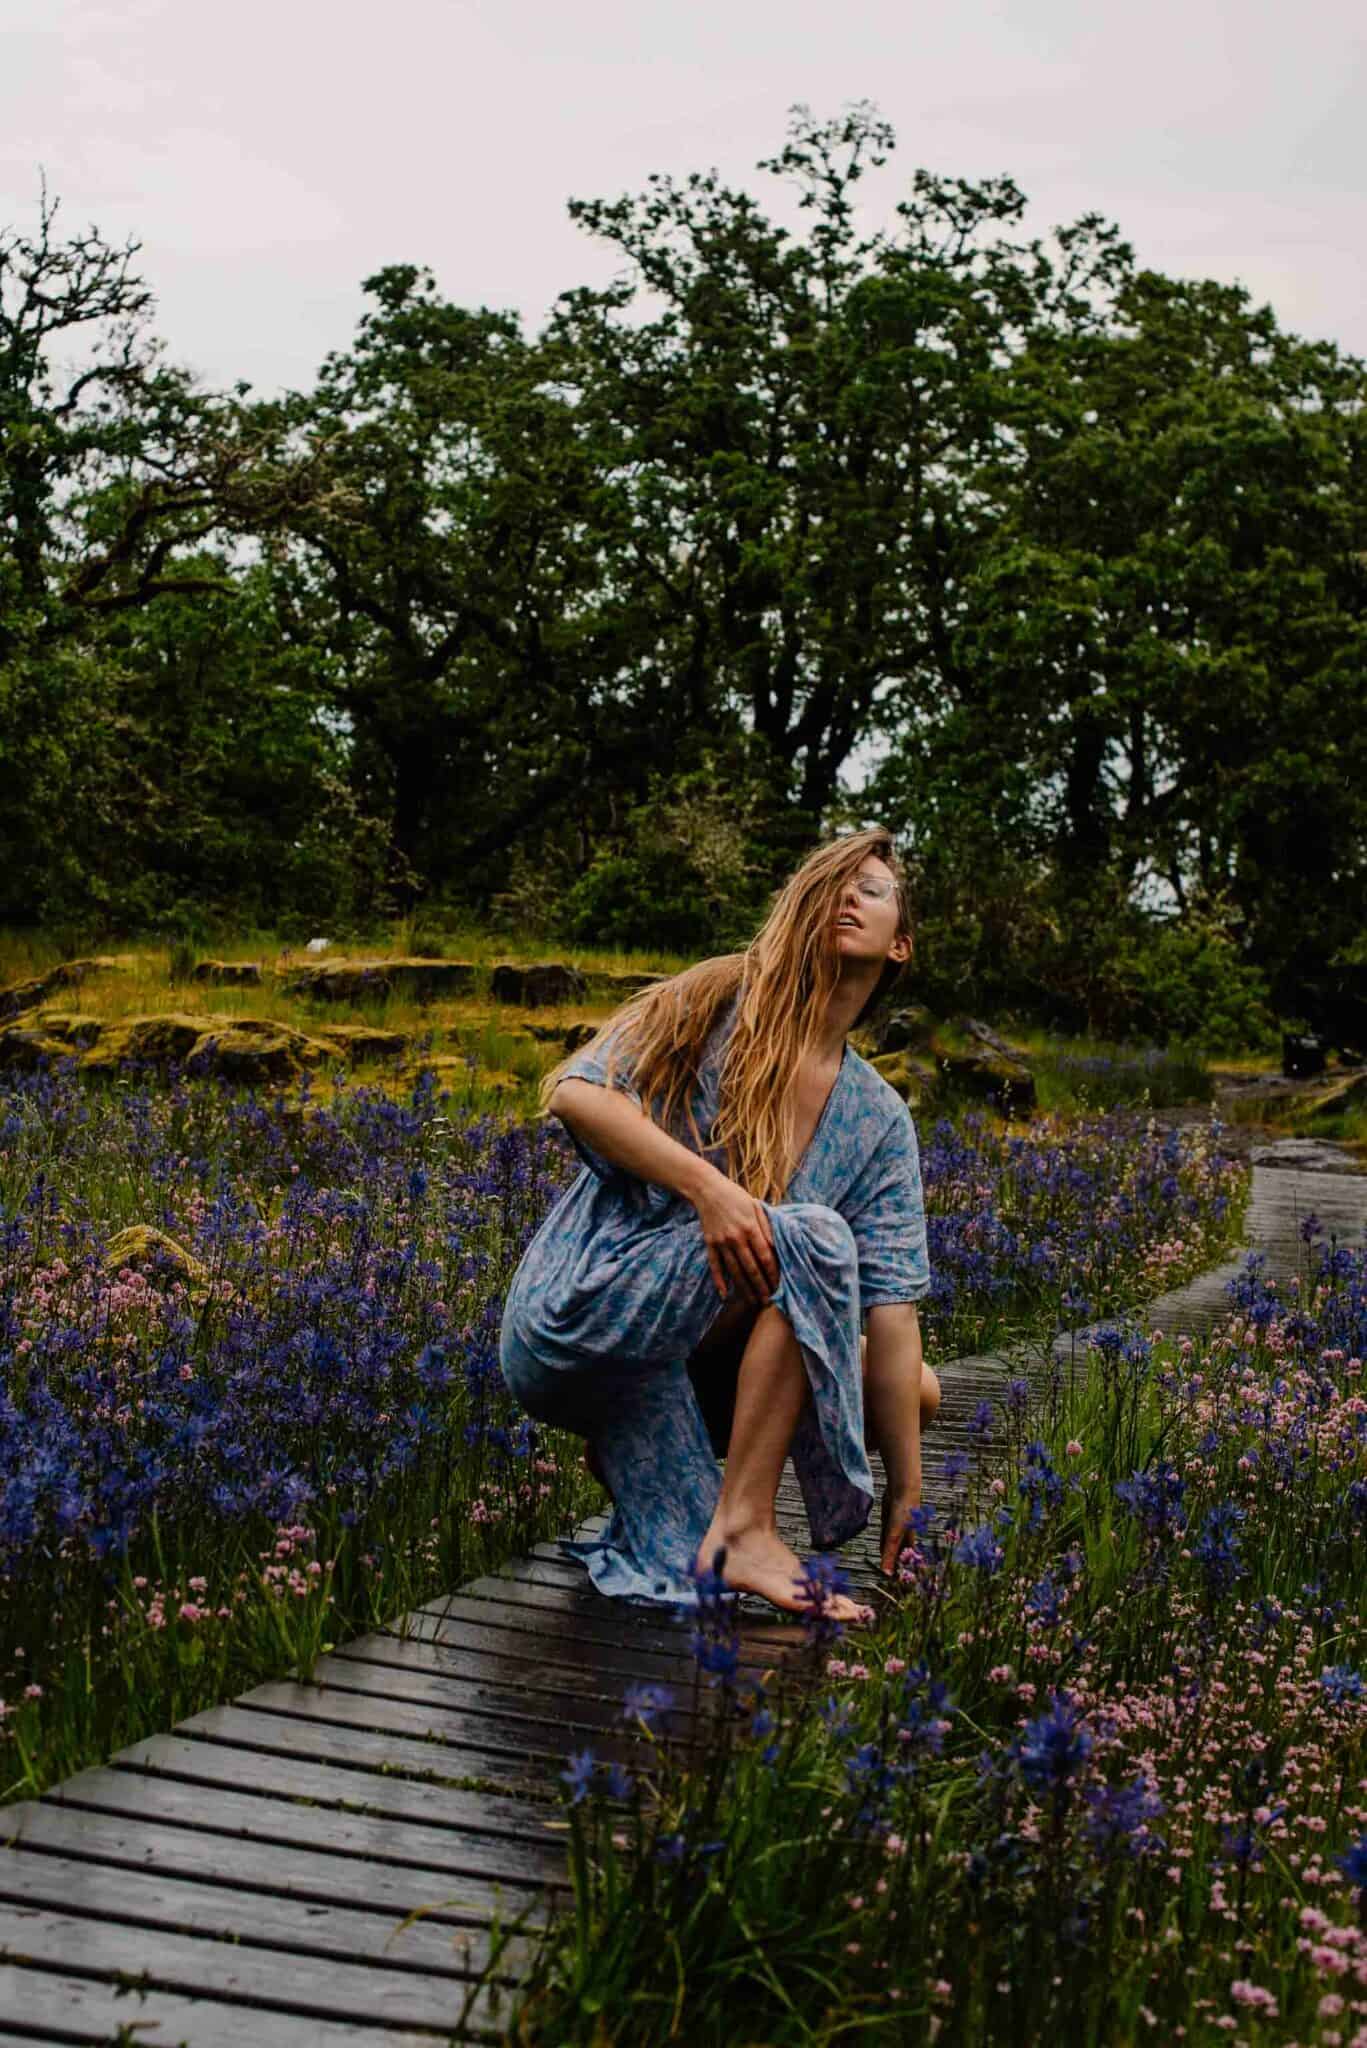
x,y
866,925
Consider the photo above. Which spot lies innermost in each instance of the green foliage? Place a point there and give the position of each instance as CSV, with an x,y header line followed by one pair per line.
x,y
1185,980
685,875
1072,553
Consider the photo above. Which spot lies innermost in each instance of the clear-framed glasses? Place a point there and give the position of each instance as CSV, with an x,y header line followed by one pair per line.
x,y
875,888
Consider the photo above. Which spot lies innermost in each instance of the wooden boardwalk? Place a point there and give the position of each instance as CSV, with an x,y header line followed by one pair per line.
x,y
244,1878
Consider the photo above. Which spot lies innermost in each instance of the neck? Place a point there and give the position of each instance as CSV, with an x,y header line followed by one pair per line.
x,y
856,984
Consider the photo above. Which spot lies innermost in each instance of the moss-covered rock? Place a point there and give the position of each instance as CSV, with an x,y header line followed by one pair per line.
x,y
142,1248
26,995
914,1079
255,1056
71,1026
240,1048
909,1028
363,1041
539,986
361,981
24,1049
228,973
568,1036
987,1076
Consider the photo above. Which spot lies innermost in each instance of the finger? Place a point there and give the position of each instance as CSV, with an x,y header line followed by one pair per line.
x,y
761,1269
754,1279
771,1256
718,1278
736,1273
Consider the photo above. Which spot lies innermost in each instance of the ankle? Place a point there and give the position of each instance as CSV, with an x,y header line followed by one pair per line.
x,y
742,1525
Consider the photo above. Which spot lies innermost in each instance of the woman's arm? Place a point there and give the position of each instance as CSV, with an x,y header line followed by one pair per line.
x,y
735,1228
611,1122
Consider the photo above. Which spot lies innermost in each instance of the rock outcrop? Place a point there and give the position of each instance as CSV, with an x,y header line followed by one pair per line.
x,y
26,995
365,981
240,1048
363,1041
71,1027
914,1079
24,1049
144,1249
228,973
907,1029
1004,1082
454,1070
540,986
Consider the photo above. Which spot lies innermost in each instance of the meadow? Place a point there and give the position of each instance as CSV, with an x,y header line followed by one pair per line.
x,y
1099,1775
251,1401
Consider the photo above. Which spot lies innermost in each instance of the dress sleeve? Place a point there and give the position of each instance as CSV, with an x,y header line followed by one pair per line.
x,y
592,1065
886,1212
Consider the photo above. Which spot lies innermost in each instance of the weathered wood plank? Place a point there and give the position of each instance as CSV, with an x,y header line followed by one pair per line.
x,y
760,1640
325,1987
564,1635
457,1897
507,1743
56,2005
584,1715
478,1653
337,1787
156,1900
366,1750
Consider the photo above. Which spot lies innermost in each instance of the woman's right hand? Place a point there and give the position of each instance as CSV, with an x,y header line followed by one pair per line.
x,y
740,1243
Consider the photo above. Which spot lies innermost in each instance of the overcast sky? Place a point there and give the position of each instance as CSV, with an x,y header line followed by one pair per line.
x,y
271,153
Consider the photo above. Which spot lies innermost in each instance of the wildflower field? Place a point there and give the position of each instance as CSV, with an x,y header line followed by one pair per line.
x,y
278,1419
1097,1777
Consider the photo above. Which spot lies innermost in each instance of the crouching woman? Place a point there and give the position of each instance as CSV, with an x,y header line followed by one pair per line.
x,y
751,1194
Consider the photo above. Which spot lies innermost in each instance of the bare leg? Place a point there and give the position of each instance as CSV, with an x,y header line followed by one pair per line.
x,y
900,1395
769,1396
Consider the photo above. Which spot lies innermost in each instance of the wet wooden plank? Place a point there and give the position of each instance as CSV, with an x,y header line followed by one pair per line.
x,y
537,1673
58,2006
594,1714
761,1640
548,1639
296,1871
336,1788
586,1713
518,1744
242,1731
101,1944
44,1872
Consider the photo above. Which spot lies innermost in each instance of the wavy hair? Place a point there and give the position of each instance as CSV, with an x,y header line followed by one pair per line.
x,y
783,980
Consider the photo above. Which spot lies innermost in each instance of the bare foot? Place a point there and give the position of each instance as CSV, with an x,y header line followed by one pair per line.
x,y
893,1528
759,1561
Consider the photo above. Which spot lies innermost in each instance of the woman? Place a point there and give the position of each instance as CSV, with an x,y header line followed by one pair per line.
x,y
774,1169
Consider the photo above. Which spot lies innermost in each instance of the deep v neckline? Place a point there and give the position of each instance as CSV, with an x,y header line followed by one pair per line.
x,y
825,1112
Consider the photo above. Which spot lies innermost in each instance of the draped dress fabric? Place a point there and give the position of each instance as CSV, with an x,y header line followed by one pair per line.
x,y
615,1292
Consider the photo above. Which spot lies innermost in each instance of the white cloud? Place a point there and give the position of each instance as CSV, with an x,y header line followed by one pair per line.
x,y
270,156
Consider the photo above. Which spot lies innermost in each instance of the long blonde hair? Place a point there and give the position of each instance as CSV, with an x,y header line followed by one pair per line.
x,y
783,978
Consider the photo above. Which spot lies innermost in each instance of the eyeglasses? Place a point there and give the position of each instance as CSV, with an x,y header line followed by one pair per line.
x,y
875,888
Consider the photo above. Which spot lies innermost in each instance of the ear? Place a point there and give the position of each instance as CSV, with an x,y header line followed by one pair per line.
x,y
900,949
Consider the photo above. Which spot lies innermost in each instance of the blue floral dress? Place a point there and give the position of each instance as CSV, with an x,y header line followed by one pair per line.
x,y
615,1292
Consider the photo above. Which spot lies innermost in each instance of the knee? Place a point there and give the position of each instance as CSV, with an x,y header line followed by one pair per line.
x,y
825,1227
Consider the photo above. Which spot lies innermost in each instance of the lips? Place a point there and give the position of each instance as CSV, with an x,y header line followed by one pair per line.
x,y
853,922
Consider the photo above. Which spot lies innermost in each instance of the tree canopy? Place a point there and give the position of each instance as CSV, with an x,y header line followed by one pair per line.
x,y
1053,564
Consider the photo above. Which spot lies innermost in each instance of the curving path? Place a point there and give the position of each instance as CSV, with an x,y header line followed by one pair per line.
x,y
251,1870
